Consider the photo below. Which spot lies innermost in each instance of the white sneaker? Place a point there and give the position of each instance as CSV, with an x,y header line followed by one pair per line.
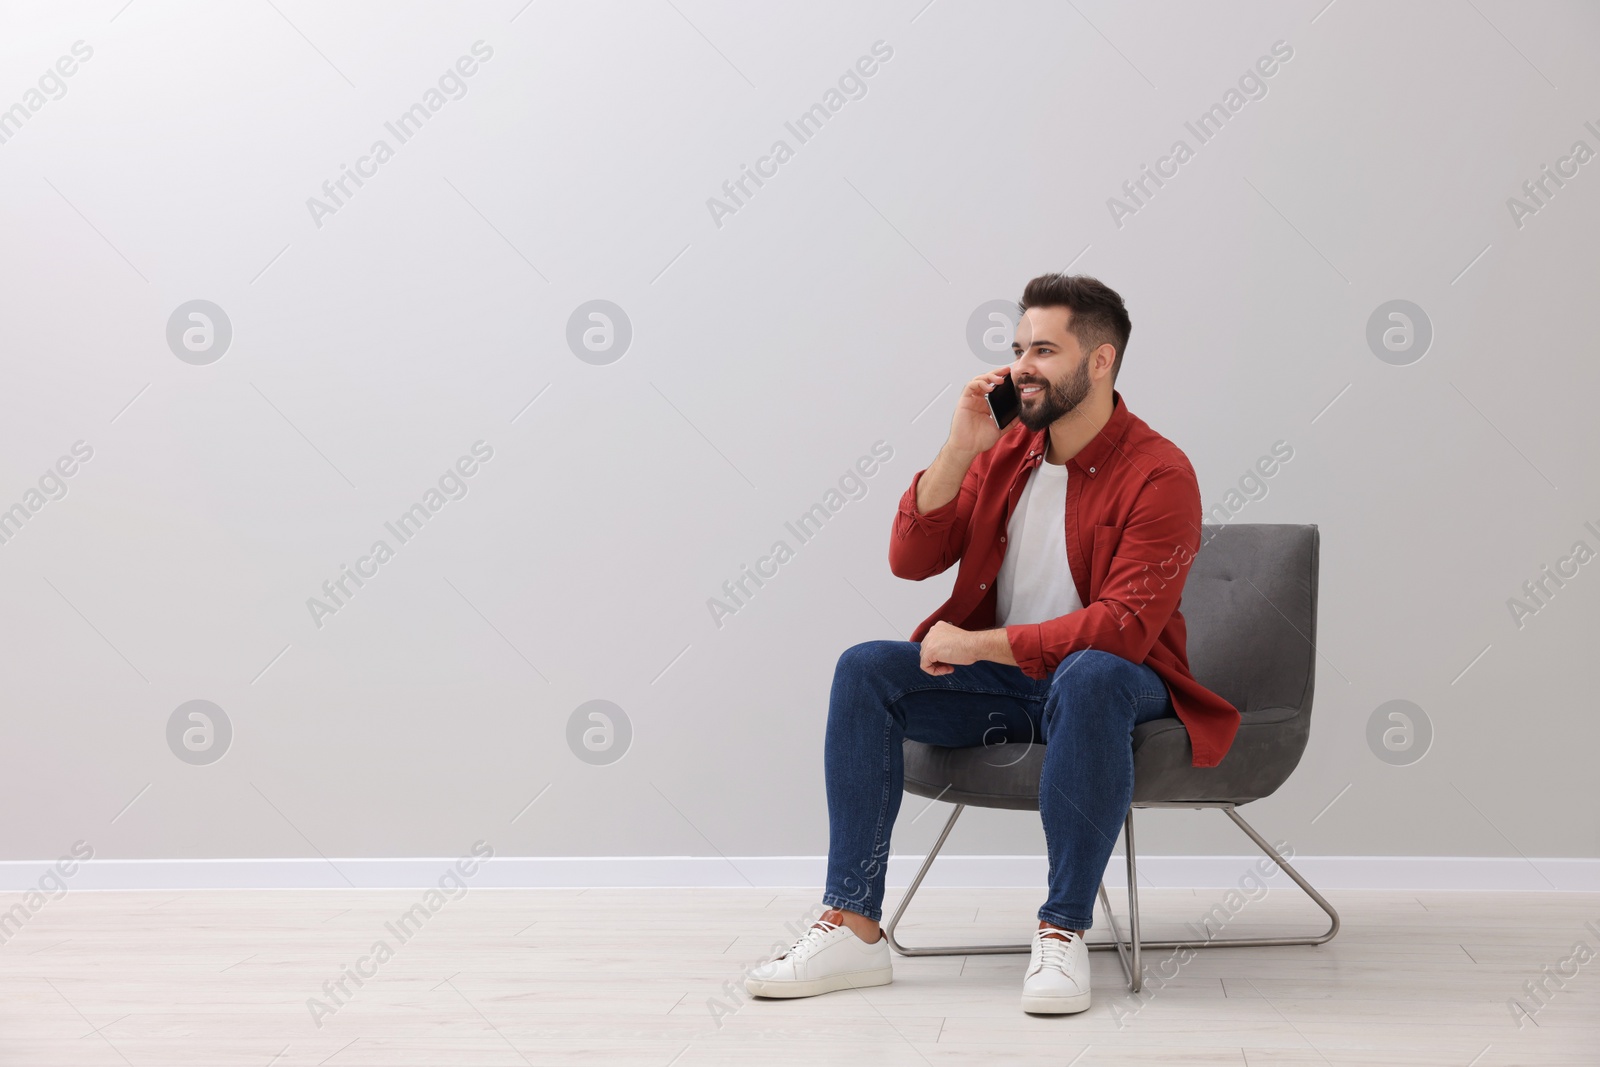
x,y
824,958
1057,981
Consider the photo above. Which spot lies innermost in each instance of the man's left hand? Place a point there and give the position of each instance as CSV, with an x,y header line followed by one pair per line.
x,y
946,647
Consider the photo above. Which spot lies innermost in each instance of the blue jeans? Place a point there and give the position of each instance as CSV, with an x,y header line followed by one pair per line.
x,y
1084,714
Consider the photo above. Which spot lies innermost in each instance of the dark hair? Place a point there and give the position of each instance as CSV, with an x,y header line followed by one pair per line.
x,y
1098,315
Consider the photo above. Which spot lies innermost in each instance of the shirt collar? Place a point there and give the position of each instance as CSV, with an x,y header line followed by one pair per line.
x,y
1092,457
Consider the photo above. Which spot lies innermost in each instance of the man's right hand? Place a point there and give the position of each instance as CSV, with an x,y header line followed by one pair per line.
x,y
972,431
972,428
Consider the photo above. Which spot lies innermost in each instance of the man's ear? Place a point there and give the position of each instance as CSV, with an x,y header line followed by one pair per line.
x,y
1105,358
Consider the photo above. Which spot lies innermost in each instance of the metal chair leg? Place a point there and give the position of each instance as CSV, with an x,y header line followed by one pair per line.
x,y
1116,941
1135,980
1129,951
980,950
911,891
1321,902
1136,973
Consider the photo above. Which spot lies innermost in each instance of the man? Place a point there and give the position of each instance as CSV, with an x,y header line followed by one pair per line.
x,y
1075,527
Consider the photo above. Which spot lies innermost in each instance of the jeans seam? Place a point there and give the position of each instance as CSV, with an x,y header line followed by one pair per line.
x,y
866,905
1147,700
883,807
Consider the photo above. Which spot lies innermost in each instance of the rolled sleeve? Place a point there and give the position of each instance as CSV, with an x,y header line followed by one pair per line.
x,y
928,522
1027,648
923,544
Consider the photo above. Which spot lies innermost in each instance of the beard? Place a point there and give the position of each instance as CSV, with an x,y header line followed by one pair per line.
x,y
1056,399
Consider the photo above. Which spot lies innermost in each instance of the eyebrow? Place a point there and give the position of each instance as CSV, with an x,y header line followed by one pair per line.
x,y
1037,343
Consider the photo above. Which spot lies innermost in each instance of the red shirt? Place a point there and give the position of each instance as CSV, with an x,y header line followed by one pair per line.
x,y
1132,528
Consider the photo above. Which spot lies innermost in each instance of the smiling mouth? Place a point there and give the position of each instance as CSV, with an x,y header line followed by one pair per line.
x,y
1026,391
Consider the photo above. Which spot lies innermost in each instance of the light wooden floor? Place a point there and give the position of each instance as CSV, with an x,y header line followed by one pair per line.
x,y
629,977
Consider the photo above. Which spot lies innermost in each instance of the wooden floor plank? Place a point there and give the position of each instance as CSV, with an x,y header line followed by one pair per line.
x,y
653,977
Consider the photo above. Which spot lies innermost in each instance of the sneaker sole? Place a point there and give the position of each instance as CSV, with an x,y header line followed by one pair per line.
x,y
1055,1005
758,987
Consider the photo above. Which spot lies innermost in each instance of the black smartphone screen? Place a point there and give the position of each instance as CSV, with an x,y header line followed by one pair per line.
x,y
1003,402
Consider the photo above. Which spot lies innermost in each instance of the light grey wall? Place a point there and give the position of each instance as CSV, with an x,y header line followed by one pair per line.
x,y
374,345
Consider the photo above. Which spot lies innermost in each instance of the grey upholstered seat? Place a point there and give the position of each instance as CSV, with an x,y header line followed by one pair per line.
x,y
1250,602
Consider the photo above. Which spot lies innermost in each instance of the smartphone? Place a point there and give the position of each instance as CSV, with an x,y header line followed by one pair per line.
x,y
1003,402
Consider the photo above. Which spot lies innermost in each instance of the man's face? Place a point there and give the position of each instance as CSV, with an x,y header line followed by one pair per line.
x,y
1051,371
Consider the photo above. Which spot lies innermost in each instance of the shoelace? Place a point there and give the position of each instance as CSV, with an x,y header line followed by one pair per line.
x,y
810,941
1053,948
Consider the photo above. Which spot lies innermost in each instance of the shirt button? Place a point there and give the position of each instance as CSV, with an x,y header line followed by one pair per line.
x,y
1091,470
983,585
1002,537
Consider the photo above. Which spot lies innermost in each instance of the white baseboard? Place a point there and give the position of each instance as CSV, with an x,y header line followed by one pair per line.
x,y
1480,873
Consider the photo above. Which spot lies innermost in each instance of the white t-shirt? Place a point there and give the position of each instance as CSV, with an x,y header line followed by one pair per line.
x,y
1035,581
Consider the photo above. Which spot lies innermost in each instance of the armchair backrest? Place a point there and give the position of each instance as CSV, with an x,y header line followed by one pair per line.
x,y
1250,602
